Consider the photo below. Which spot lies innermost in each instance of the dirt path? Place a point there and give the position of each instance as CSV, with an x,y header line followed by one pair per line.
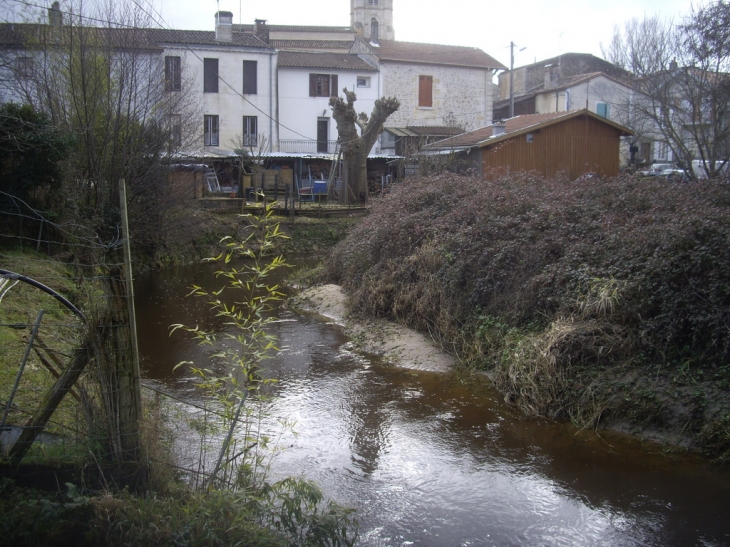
x,y
400,345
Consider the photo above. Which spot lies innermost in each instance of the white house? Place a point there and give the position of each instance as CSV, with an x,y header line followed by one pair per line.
x,y
306,82
259,84
233,76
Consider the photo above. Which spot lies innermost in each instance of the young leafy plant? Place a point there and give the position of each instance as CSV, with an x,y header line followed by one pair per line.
x,y
246,266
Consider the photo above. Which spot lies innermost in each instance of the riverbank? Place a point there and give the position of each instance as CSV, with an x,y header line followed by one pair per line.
x,y
200,237
602,302
395,343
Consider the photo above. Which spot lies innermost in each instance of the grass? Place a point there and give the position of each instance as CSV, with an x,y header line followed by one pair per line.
x,y
59,332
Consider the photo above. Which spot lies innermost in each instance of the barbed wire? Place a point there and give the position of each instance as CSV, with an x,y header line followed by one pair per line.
x,y
91,239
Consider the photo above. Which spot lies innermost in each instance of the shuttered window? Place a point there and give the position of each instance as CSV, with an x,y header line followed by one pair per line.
x,y
172,73
250,124
323,85
322,134
210,130
175,129
425,91
250,70
210,75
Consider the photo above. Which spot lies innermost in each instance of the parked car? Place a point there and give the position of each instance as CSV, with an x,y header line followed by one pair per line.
x,y
656,168
674,175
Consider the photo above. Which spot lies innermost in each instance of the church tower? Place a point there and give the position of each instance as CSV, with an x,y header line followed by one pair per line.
x,y
372,19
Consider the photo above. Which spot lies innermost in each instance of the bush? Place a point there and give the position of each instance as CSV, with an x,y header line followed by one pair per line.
x,y
591,273
526,249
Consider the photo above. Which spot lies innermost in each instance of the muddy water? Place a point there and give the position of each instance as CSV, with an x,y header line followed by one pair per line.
x,y
430,460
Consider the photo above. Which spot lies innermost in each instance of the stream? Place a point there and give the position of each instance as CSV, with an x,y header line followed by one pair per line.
x,y
438,460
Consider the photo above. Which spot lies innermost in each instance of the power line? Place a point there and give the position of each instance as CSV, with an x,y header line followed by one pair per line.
x,y
165,26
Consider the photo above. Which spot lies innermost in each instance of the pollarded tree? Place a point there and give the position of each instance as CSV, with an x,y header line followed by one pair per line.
x,y
682,72
356,147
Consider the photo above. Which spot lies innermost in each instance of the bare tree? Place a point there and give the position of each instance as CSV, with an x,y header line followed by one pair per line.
x,y
356,147
681,74
99,75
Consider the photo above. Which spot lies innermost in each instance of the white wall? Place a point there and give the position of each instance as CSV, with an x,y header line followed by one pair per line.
x,y
464,92
298,112
229,104
599,90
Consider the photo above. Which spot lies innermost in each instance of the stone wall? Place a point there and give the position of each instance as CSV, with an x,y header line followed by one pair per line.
x,y
461,96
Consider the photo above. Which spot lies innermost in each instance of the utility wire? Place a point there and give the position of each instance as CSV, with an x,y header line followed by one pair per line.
x,y
164,26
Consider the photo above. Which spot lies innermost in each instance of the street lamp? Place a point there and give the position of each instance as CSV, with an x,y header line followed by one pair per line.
x,y
512,78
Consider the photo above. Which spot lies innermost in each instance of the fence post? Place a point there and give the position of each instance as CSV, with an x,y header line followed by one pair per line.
x,y
129,399
49,404
129,283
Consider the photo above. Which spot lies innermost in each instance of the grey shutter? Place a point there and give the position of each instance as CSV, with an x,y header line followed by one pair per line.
x,y
250,70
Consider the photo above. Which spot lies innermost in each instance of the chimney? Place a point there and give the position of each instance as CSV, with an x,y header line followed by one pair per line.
x,y
55,17
261,30
498,129
224,26
552,76
673,65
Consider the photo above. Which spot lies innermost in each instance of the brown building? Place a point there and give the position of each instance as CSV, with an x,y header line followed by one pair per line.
x,y
573,143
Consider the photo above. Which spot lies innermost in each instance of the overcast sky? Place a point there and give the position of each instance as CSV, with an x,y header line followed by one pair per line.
x,y
544,28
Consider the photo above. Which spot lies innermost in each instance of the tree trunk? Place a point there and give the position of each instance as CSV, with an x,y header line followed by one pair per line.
x,y
356,147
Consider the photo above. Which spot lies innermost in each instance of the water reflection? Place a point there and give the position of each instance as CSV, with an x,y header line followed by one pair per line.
x,y
430,460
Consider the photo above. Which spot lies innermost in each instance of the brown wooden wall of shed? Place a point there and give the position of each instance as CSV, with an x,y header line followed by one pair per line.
x,y
575,147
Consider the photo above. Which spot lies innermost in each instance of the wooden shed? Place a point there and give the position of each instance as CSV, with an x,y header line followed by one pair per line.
x,y
573,143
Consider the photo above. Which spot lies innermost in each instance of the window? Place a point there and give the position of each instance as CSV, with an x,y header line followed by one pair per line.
x,y
24,67
425,91
175,129
363,81
322,134
387,140
250,131
210,130
210,75
373,2
603,109
249,77
322,85
172,74
374,30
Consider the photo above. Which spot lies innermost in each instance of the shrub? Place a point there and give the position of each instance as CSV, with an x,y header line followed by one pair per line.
x,y
651,258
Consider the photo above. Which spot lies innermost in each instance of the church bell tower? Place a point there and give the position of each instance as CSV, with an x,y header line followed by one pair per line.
x,y
372,19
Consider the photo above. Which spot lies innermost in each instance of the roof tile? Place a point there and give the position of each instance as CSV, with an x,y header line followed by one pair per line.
x,y
311,59
312,44
413,52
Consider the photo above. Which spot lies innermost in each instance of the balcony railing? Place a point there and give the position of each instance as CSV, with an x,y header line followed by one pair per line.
x,y
307,146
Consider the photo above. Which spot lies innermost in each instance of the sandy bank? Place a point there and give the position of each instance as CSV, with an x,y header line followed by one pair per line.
x,y
400,345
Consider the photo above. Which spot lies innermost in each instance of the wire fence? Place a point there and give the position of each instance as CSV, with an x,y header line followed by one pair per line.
x,y
179,435
53,271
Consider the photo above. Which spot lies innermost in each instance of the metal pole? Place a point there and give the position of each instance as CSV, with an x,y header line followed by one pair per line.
x,y
511,80
130,296
33,333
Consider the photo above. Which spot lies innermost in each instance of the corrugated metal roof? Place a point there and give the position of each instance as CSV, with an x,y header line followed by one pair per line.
x,y
424,131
